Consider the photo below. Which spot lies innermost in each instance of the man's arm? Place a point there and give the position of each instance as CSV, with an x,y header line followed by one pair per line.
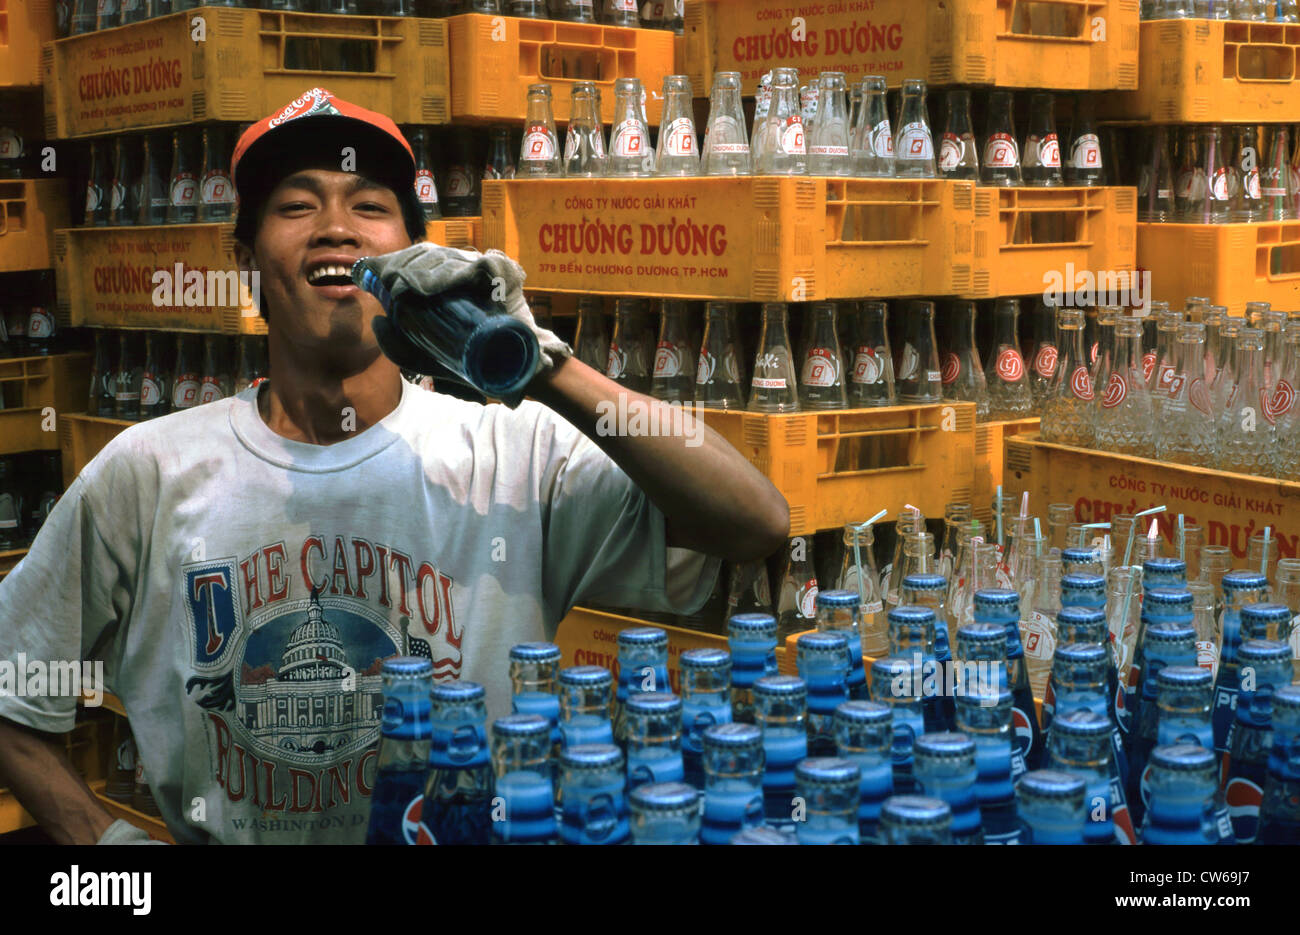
x,y
35,766
713,500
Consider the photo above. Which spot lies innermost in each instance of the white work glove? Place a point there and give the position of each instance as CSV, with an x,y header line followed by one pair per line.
x,y
429,269
123,832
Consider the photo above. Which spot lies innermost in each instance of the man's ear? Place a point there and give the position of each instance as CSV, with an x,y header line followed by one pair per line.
x,y
244,257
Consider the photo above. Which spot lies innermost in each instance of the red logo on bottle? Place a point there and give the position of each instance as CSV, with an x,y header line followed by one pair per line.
x,y
1116,391
1282,401
951,368
1081,384
1199,395
1011,366
414,830
1045,361
1148,365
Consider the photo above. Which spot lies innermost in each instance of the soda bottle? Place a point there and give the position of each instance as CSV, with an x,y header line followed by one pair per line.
x,y
871,380
945,769
718,383
911,635
642,667
84,17
1008,382
824,666
1240,587
185,381
678,153
1276,183
1181,783
100,369
1248,203
620,13
124,190
153,199
1265,665
539,155
458,795
1279,810
1266,621
584,144
1124,418
216,191
672,377
838,612
500,164
126,379
1085,166
913,144
733,781
1209,635
1185,430
183,184
252,368
1246,442
958,157
1042,159
751,638
821,383
593,802
915,819
828,147
919,376
535,689
1210,192
808,109
797,603
773,386
1002,606
984,714
665,813
962,373
653,725
1001,162
98,183
215,383
629,351
858,575
955,515
1078,681
762,107
397,799
780,709
154,391
1168,641
726,142
630,154
591,339
108,15
897,681
573,11
864,735
1067,412
1081,745
461,197
1156,178
1052,807
585,696
828,787
781,149
872,144
521,763
706,701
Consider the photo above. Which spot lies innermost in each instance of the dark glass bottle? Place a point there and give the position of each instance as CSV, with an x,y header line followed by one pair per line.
x,y
501,160
126,380
460,197
216,190
183,183
153,198
426,189
185,382
155,396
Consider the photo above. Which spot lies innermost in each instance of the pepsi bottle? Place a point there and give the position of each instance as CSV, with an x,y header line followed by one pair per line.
x,y
984,715
733,781
1081,745
781,707
664,813
931,590
397,797
593,803
524,810
1240,587
896,682
1051,804
824,666
1279,812
1165,607
1002,606
864,735
1181,807
458,794
1183,698
752,641
535,689
838,612
1264,667
911,633
915,819
654,738
706,701
585,695
1167,642
945,769
827,788
1077,623
642,667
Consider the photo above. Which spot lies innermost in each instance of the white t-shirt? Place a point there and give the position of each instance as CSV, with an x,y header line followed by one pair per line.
x,y
242,590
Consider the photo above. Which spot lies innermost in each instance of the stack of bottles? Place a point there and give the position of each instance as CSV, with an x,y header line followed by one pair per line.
x,y
27,324
139,375
30,485
1257,11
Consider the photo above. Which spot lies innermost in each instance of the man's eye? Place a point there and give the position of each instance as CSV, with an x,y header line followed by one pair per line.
x,y
295,206
372,206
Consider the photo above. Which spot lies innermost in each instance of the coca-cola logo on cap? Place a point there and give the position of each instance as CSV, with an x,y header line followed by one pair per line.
x,y
1045,361
315,101
1010,366
1080,384
1116,391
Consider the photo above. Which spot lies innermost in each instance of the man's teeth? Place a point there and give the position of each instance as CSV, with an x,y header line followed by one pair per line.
x,y
324,271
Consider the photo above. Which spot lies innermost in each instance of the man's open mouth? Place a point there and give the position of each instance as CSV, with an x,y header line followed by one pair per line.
x,y
331,274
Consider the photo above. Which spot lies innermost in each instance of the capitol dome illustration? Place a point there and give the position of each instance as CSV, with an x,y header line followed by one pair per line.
x,y
314,650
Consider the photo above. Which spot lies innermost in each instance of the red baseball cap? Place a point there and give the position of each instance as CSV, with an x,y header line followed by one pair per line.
x,y
309,125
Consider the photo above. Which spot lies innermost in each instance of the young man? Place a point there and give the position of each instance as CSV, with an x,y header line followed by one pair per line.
x,y
243,568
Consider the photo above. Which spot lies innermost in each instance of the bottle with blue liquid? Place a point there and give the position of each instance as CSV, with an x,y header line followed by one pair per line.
x,y
1263,666
654,738
1240,587
1279,813
1083,589
535,688
945,769
911,633
1081,745
1158,605
915,819
930,590
838,612
764,835
733,781
664,813
396,801
521,761
781,708
1078,682
585,695
864,735
458,795
984,715
1082,560
642,667
1078,624
1183,698
706,702
752,641
828,790
1002,606
824,667
1051,804
592,796
1182,783
1266,622
896,681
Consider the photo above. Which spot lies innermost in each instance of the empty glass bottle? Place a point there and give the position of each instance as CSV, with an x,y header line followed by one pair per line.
x,y
1249,202
821,378
958,155
216,190
1000,164
828,147
1085,165
797,601
913,143
773,387
726,142
1045,353
678,153
630,356
871,378
500,163
1124,420
1156,179
591,340
620,13
671,377
762,107
584,140
1008,381
1277,186
858,574
718,381
872,143
920,379
1067,414
1042,155
962,372
782,150
1247,439
1209,199
539,154
1186,431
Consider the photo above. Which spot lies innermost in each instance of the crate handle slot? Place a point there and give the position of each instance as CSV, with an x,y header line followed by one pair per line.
x,y
1283,262
1259,63
564,61
347,45
1067,20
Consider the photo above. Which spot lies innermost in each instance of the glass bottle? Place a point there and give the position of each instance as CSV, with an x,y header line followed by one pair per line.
x,y
665,813
127,378
945,769
215,382
955,516
1248,205
153,199
630,153
1247,441
919,377
864,734
1185,430
1002,606
858,574
1085,166
619,13
898,681
1008,381
1209,199
962,372
718,381
1225,364
871,380
1124,421
828,142
1240,587
539,155
1165,362
1279,817
1103,347
823,663
762,107
773,387
1081,745
1067,415
1156,179
912,635
403,760
99,180
154,389
585,696
101,370
733,781
913,143
573,11
592,795
781,706
1181,785
1277,186
1209,636
642,668
216,191
1042,155
124,190
188,370
678,153
629,352
1045,353
653,726
706,701
783,151
872,143
1268,663
500,163
821,380
984,713
958,157
462,196
1287,591
726,142
837,612
751,638
1000,164
591,339
808,109
1052,807
183,198
671,377
1038,618
458,794
521,763
797,600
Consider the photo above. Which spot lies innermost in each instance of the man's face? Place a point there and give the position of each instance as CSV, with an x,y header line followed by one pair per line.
x,y
315,224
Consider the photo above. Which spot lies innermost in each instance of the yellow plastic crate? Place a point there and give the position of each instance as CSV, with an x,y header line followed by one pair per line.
x,y
990,460
251,63
1229,507
456,232
1063,44
39,392
1216,71
30,212
82,436
843,466
743,239
1023,234
25,25
1230,264
495,58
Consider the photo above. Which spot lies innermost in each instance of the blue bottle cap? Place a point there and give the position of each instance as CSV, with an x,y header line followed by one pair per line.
x,y
912,615
1080,616
752,625
651,637
1164,566
592,756
1169,598
914,810
412,667
654,703
925,582
983,697
1184,677
1286,696
982,633
458,692
1264,615
763,835
863,712
1262,652
521,725
1080,654
586,676
837,598
733,736
1051,784
781,686
535,652
1082,723
827,770
891,667
664,797
822,642
944,745
1080,556
1243,579
996,597
1182,757
1082,581
705,659
1169,632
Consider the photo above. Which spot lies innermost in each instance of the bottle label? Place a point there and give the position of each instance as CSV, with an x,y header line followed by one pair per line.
x,y
1281,401
1116,391
217,189
1148,365
829,150
792,136
821,368
117,196
1081,384
624,6
1166,375
915,143
1252,184
630,141
40,323
807,599
729,148
1048,150
1086,152
616,363
459,182
425,190
1219,185
680,140
932,376
209,391
124,395
11,144
1010,365
1045,361
1207,655
570,145
882,141
186,391
910,364
667,360
94,195
951,368
950,150
1184,182
183,190
150,391
1199,395
866,366
539,145
769,383
1000,152
1039,641
1176,383
704,369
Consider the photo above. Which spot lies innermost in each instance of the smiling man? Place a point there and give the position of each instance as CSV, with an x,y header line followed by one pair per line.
x,y
243,568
